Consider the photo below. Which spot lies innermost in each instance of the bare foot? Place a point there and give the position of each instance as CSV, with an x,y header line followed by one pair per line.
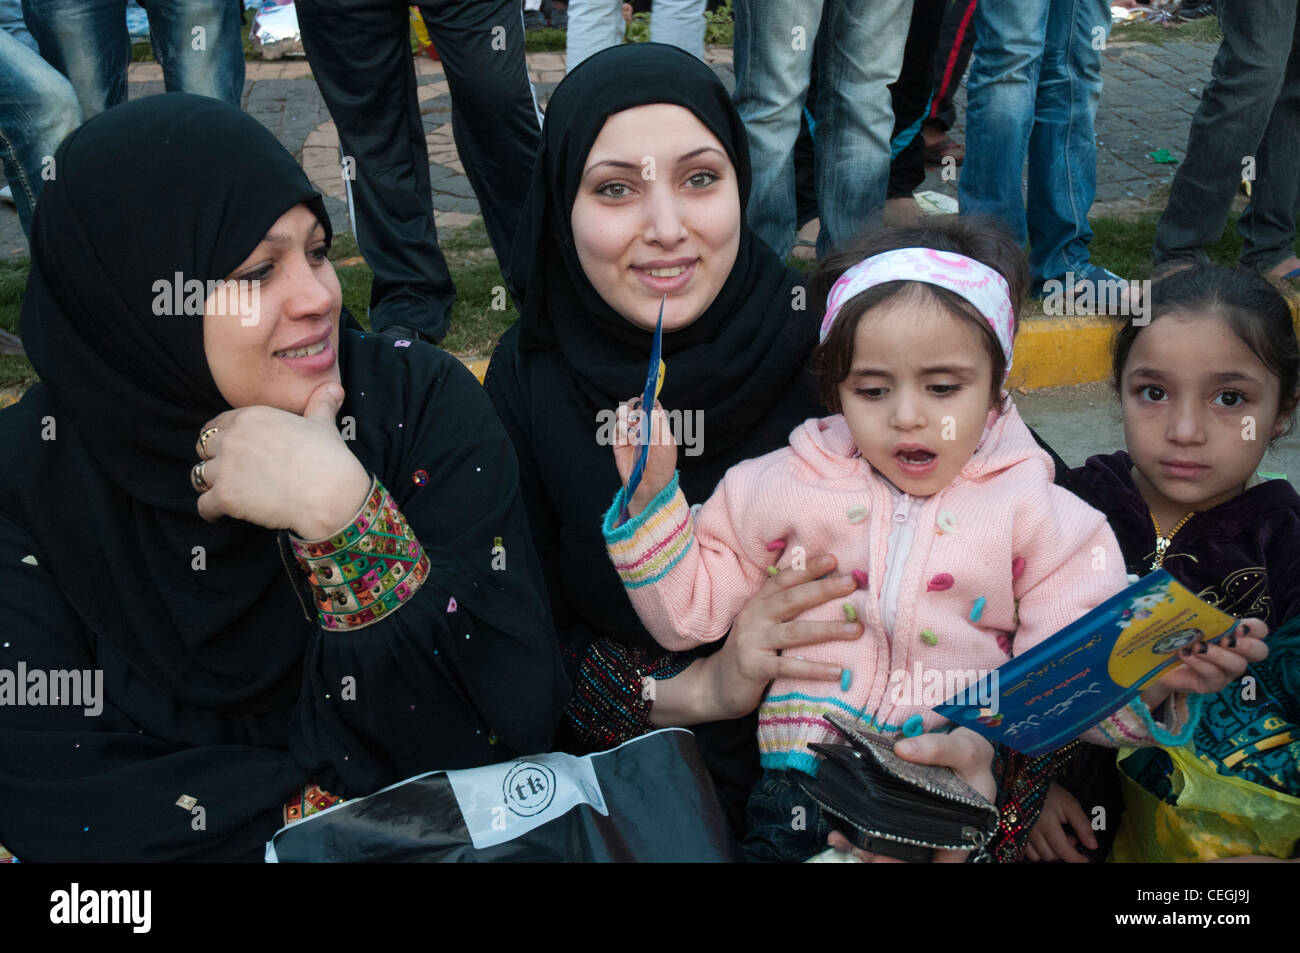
x,y
902,211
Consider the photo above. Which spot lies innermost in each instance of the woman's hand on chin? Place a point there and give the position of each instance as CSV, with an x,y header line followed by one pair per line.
x,y
281,470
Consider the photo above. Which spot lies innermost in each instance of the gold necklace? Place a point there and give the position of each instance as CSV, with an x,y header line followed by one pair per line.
x,y
1162,541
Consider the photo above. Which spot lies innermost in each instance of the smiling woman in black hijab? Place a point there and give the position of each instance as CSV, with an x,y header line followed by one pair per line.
x,y
621,211
395,625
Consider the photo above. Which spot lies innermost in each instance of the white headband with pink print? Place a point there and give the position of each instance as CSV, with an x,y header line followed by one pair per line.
x,y
973,280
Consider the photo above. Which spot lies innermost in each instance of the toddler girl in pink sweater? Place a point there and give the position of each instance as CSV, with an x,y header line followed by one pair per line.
x,y
925,484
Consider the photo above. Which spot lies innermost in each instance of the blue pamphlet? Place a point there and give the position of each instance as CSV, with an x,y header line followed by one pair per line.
x,y
1049,695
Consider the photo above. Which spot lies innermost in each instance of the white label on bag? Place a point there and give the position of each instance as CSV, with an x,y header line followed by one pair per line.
x,y
501,801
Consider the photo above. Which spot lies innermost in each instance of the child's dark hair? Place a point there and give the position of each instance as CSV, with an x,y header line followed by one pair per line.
x,y
1247,302
982,239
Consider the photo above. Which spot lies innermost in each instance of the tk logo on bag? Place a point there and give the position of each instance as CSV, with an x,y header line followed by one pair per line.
x,y
529,788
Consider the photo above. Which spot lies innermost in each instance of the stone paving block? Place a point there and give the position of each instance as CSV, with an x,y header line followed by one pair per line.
x,y
453,219
456,185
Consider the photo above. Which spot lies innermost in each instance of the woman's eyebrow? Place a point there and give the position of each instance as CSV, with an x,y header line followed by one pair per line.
x,y
284,238
621,164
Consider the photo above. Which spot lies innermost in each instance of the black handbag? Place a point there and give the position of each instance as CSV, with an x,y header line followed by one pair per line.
x,y
894,807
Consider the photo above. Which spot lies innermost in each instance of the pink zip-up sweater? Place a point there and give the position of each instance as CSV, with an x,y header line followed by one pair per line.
x,y
993,564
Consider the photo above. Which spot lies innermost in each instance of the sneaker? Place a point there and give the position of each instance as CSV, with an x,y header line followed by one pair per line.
x,y
7,195
1195,10
1092,289
533,20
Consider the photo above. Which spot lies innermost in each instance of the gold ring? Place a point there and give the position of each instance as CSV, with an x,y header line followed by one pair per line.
x,y
197,480
203,442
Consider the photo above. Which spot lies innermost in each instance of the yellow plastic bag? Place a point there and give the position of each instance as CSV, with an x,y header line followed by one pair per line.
x,y
1216,816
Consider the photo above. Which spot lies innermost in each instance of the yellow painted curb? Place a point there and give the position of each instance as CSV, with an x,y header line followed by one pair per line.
x,y
478,368
1060,352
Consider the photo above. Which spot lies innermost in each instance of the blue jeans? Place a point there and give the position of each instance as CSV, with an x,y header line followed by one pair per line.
x,y
197,42
859,53
11,22
37,110
597,24
1035,81
1249,109
785,826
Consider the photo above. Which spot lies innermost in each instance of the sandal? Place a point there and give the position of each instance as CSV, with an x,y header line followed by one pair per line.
x,y
804,243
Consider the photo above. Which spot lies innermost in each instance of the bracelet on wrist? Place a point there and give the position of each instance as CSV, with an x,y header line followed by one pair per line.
x,y
365,571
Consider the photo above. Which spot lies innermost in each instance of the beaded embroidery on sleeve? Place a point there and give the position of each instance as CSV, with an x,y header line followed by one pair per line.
x,y
365,571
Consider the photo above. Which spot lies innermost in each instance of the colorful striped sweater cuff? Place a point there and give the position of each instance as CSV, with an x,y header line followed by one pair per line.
x,y
648,545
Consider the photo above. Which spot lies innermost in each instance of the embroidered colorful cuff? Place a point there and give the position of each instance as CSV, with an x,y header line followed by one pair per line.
x,y
648,545
366,570
611,702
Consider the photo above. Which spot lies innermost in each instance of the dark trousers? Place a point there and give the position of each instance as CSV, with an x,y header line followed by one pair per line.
x,y
785,826
911,96
952,56
1250,109
360,56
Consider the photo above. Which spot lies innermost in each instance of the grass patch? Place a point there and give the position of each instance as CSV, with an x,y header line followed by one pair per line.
x,y
544,40
1204,30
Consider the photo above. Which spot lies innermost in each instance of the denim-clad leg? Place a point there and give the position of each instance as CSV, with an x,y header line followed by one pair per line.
x,y
199,46
773,52
1250,108
594,25
679,23
86,41
38,108
11,22
784,825
859,54
1000,94
1063,144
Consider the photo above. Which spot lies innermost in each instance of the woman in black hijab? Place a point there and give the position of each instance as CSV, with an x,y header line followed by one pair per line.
x,y
737,333
600,241
143,484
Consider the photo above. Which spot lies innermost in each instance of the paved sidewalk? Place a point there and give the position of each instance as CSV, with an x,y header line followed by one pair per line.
x,y
1150,95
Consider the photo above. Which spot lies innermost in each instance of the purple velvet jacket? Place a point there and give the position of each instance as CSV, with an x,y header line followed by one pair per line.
x,y
1220,553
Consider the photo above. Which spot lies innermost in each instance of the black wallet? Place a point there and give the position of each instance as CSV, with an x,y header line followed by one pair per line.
x,y
894,807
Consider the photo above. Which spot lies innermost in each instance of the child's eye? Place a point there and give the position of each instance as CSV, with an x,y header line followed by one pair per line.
x,y
945,390
870,393
612,190
1151,392
703,178
1232,398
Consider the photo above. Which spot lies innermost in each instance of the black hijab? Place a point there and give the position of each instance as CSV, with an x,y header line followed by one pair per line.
x,y
751,342
129,390
570,356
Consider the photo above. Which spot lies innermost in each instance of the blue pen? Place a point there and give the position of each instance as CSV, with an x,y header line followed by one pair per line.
x,y
647,408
